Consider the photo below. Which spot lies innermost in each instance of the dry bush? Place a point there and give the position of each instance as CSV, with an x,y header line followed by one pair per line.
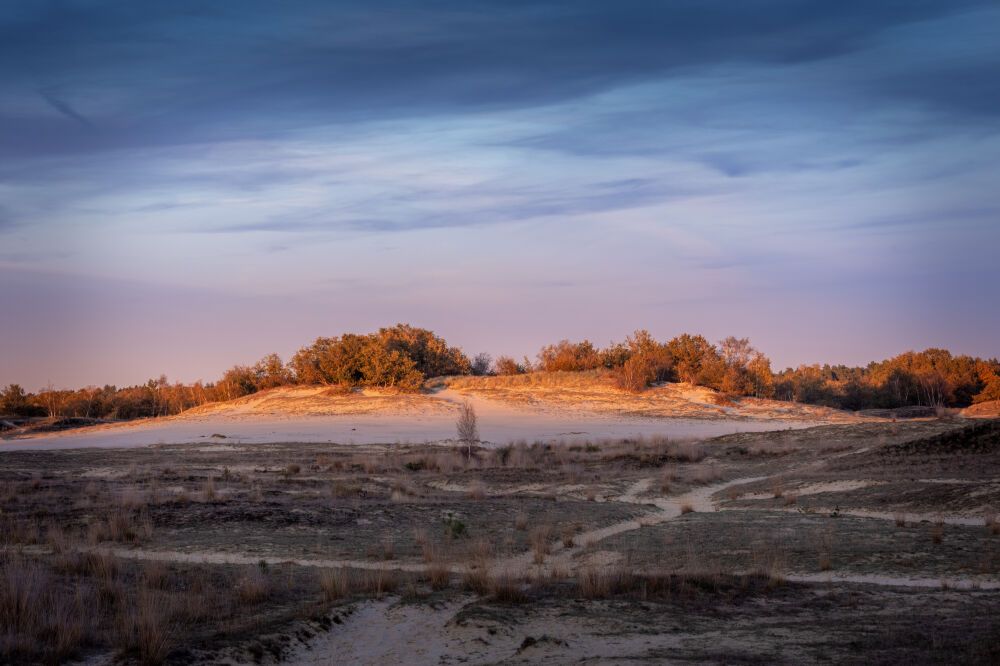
x,y
477,491
686,508
591,495
722,400
566,534
634,375
790,499
521,521
900,520
779,491
253,587
539,538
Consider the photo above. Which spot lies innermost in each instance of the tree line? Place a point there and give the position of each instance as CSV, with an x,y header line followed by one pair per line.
x,y
402,357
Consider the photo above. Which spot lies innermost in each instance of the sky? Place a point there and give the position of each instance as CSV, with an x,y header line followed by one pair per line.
x,y
185,186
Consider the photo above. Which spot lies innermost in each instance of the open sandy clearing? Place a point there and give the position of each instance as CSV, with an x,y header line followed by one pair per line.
x,y
431,420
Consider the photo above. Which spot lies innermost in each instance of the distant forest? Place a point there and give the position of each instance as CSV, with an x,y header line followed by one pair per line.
x,y
402,357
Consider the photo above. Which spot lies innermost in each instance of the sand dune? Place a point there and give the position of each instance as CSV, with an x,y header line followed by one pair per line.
x,y
571,407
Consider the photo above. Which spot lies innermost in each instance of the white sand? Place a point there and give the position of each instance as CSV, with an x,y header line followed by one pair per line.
x,y
499,423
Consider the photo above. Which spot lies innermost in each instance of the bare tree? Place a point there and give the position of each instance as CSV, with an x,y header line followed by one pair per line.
x,y
468,430
482,364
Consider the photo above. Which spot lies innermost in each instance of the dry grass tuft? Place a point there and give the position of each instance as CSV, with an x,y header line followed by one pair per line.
x,y
476,580
604,583
992,524
687,451
208,490
521,521
937,532
126,526
337,583
155,575
686,508
706,474
253,587
477,491
540,540
439,576
900,520
507,588
381,581
37,622
146,629
825,550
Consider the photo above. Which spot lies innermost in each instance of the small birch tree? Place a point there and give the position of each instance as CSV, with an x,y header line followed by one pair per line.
x,y
468,430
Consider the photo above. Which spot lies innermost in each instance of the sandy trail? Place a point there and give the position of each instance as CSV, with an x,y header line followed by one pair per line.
x,y
908,516
562,558
384,632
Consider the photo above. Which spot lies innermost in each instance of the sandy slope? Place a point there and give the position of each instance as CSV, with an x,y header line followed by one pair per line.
x,y
573,408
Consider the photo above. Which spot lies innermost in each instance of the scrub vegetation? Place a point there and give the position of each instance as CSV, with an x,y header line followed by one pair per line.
x,y
402,358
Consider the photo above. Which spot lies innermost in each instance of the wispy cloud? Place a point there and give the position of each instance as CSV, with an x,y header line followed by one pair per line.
x,y
65,109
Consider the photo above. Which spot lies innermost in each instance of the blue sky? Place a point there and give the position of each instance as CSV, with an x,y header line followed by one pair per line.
x,y
183,188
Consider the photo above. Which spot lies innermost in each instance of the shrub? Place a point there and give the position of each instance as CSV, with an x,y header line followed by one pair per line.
x,y
634,375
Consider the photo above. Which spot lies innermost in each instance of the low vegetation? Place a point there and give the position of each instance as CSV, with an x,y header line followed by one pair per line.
x,y
403,357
